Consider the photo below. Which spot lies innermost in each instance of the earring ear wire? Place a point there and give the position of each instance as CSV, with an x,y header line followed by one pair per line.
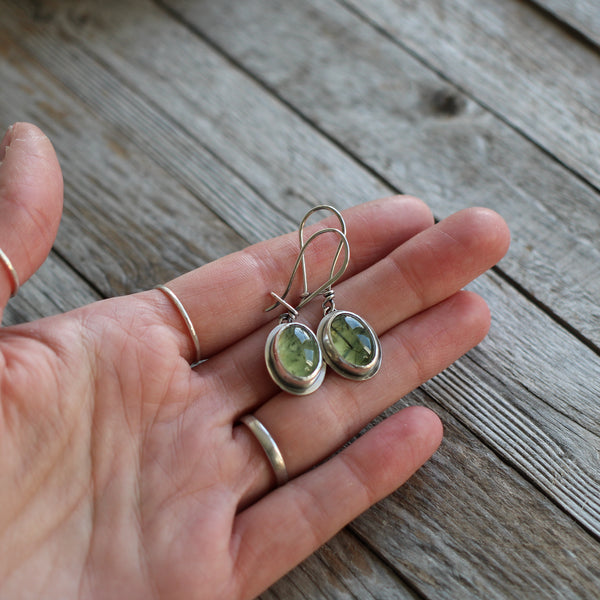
x,y
338,214
291,311
333,277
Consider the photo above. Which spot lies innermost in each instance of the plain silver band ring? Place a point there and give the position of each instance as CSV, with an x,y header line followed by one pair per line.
x,y
12,272
269,446
179,306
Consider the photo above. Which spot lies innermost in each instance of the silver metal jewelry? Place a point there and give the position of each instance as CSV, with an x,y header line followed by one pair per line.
x,y
265,439
12,272
350,345
292,352
313,210
293,355
186,318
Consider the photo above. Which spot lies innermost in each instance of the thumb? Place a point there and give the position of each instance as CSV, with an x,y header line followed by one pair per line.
x,y
31,193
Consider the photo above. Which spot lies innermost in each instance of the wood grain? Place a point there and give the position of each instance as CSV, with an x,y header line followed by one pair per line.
x,y
469,526
582,15
296,169
533,401
127,222
545,328
425,136
520,64
343,569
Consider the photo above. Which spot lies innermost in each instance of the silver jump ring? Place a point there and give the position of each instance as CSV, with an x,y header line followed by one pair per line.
x,y
269,446
186,317
12,272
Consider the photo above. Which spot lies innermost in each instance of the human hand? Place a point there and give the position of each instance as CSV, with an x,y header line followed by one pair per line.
x,y
124,472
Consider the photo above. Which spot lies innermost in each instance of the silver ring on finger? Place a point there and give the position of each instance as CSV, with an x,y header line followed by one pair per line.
x,y
186,318
270,447
12,272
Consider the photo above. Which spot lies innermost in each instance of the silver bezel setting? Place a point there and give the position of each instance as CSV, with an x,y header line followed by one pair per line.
x,y
299,386
336,361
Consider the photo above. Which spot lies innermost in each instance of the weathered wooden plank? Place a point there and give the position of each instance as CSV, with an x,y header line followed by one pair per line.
x,y
467,526
167,98
343,569
425,136
582,15
530,392
515,60
127,223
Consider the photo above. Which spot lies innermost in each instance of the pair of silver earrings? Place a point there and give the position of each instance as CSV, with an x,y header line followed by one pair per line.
x,y
296,357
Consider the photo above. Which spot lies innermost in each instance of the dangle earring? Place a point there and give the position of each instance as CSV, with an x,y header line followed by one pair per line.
x,y
349,344
292,352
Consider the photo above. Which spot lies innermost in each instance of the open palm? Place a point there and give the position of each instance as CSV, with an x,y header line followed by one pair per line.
x,y
125,473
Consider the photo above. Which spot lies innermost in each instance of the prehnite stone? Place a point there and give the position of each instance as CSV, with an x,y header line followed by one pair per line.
x,y
297,350
352,340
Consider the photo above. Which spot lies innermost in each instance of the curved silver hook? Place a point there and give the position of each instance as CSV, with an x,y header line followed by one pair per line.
x,y
333,277
315,209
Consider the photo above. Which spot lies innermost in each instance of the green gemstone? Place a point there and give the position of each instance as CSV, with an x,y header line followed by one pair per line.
x,y
352,340
297,350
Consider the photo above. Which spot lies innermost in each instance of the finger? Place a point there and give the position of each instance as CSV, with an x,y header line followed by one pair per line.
x,y
428,268
31,192
309,429
433,266
226,299
272,536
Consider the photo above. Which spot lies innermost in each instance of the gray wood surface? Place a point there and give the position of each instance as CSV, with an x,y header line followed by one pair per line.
x,y
187,129
469,526
512,58
583,16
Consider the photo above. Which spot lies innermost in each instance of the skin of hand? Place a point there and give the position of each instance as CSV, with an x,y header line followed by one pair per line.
x,y
125,473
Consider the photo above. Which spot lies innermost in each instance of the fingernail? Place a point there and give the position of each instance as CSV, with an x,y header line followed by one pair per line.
x,y
5,142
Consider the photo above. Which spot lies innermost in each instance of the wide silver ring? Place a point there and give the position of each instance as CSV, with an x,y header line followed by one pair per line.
x,y
186,318
12,272
265,439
